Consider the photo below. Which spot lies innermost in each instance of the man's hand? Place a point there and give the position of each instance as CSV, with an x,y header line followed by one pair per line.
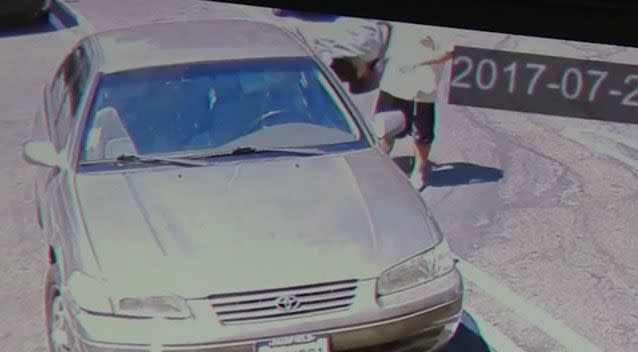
x,y
437,59
428,42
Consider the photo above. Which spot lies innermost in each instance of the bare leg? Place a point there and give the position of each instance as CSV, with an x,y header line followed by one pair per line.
x,y
386,144
423,138
419,172
421,153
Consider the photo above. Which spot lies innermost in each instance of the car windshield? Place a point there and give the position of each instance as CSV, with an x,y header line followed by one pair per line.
x,y
186,109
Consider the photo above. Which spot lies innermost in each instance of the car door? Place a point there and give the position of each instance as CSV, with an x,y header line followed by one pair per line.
x,y
66,93
41,132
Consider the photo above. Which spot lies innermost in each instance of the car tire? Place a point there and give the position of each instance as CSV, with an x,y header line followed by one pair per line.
x,y
49,294
52,302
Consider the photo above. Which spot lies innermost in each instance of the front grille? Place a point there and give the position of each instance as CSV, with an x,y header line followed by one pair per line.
x,y
275,304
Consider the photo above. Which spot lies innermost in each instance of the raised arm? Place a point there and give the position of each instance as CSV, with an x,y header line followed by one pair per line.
x,y
444,56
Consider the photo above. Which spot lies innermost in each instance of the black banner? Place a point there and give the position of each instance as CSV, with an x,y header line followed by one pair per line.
x,y
543,84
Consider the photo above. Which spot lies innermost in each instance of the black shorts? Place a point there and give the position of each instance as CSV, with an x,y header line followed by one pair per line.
x,y
420,119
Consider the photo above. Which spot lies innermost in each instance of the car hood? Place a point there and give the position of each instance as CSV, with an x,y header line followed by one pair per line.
x,y
256,224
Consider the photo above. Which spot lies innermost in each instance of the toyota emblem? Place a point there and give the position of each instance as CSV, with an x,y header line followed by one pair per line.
x,y
287,303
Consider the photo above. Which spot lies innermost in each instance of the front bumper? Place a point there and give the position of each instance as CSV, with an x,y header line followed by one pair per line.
x,y
419,319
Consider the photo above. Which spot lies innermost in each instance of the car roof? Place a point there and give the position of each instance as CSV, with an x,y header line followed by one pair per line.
x,y
177,42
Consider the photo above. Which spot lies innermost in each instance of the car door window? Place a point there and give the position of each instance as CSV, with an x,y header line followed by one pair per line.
x,y
79,76
63,122
57,89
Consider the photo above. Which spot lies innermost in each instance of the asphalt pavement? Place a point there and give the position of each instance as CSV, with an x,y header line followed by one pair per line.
x,y
540,209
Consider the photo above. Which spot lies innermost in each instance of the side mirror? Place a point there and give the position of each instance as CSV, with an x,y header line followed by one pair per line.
x,y
388,124
41,153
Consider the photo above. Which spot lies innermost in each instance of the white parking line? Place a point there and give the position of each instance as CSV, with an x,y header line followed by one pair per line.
x,y
536,316
607,143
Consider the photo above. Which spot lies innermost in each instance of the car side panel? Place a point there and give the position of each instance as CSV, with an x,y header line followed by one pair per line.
x,y
60,105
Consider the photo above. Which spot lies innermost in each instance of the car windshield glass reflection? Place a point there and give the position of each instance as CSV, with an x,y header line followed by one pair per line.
x,y
178,110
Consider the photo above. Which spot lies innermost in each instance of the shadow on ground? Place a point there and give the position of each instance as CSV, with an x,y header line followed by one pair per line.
x,y
12,27
467,338
452,174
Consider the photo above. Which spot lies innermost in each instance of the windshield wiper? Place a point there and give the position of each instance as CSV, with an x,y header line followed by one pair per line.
x,y
254,150
125,158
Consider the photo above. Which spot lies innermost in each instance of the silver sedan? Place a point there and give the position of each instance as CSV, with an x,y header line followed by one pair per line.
x,y
210,186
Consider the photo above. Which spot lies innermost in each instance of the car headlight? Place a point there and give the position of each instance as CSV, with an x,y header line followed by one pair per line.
x,y
417,270
154,306
91,295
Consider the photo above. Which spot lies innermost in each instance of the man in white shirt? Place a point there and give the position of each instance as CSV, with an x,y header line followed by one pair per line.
x,y
409,84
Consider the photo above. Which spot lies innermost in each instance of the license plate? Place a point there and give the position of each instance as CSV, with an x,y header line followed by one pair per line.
x,y
299,343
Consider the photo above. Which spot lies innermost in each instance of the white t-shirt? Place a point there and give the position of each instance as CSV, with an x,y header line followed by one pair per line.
x,y
406,49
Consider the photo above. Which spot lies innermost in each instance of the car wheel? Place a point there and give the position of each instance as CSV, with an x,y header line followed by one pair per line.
x,y
58,335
